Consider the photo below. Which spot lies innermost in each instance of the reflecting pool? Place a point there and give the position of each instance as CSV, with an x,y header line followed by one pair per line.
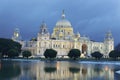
x,y
56,70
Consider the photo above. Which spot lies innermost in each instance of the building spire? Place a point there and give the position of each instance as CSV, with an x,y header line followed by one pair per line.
x,y
109,35
43,28
63,14
43,24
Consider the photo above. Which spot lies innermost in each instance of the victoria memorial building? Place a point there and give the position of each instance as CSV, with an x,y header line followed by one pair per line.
x,y
63,39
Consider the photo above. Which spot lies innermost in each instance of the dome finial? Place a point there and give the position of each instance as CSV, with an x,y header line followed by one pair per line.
x,y
109,35
43,23
63,15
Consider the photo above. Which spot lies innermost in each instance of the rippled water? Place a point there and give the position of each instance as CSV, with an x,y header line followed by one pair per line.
x,y
59,70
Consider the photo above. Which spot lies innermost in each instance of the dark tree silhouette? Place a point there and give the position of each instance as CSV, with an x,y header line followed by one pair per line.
x,y
8,44
13,53
26,54
114,54
50,53
97,55
74,53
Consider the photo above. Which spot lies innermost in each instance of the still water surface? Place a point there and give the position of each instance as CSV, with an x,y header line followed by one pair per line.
x,y
59,70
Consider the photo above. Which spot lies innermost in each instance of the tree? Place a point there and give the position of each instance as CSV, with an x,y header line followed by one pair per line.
x,y
13,53
74,53
97,55
8,44
50,53
26,54
114,54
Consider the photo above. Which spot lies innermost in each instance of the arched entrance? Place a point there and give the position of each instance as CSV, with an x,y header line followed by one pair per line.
x,y
84,48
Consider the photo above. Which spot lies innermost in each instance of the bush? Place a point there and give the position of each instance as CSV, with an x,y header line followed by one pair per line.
x,y
26,54
13,53
114,54
50,53
97,55
74,53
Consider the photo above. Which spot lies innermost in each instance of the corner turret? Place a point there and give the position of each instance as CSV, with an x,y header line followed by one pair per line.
x,y
109,43
16,35
43,33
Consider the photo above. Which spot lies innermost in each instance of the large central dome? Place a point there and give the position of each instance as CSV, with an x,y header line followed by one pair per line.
x,y
63,29
63,22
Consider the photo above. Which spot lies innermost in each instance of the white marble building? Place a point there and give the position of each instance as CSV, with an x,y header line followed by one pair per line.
x,y
63,39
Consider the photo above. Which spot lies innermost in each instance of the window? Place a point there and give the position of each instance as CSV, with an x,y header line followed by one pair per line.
x,y
44,30
68,32
39,45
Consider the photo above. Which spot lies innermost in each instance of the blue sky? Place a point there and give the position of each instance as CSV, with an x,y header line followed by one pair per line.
x,y
90,17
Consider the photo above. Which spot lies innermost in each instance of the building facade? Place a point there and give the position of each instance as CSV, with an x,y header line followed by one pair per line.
x,y
63,39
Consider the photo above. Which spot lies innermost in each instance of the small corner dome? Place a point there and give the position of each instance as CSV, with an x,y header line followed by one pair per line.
x,y
78,34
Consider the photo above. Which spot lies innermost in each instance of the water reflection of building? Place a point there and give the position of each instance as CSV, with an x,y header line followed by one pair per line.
x,y
63,39
62,71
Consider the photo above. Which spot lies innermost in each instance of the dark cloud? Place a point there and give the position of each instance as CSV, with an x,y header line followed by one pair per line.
x,y
90,17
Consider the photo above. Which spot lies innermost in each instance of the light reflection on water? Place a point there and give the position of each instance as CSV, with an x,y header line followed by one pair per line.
x,y
60,70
